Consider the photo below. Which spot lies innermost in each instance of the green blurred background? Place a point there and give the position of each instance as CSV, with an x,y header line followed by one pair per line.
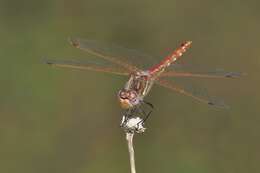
x,y
64,121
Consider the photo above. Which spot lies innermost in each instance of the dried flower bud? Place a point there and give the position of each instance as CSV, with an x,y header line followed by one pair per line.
x,y
132,124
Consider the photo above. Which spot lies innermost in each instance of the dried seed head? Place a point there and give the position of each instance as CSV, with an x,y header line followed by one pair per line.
x,y
132,124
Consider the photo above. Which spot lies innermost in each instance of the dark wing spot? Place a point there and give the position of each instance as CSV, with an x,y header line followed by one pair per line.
x,y
48,62
211,103
74,42
233,74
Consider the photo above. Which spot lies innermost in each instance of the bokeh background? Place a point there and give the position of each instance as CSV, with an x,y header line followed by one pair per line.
x,y
63,121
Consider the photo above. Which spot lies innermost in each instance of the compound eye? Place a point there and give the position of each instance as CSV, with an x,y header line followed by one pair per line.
x,y
123,95
132,95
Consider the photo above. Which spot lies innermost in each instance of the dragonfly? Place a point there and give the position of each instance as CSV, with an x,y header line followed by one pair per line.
x,y
141,76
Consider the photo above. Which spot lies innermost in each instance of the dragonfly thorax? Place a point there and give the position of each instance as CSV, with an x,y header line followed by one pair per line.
x,y
135,89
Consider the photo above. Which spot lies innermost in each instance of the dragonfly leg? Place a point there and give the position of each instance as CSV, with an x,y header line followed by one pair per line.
x,y
149,104
127,115
146,115
137,112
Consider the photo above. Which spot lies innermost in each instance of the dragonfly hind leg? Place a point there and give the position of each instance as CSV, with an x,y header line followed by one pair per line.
x,y
145,114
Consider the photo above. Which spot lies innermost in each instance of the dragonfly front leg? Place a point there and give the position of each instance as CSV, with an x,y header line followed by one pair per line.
x,y
137,111
127,115
149,104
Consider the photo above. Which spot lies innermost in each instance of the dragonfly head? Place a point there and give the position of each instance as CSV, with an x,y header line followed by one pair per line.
x,y
128,98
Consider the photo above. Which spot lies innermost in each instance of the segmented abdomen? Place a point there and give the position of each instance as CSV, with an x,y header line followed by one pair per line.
x,y
167,61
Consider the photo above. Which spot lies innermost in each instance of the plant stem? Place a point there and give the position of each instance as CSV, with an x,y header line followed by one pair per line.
x,y
129,138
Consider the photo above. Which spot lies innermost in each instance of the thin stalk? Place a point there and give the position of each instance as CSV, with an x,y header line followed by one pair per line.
x,y
129,138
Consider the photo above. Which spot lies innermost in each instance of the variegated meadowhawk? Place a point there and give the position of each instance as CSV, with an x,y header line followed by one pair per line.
x,y
122,61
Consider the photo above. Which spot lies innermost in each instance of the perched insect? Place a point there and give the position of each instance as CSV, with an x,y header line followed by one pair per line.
x,y
123,61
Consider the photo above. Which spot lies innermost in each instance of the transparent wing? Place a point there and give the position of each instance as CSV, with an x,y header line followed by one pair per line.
x,y
86,65
197,94
212,74
124,57
187,70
